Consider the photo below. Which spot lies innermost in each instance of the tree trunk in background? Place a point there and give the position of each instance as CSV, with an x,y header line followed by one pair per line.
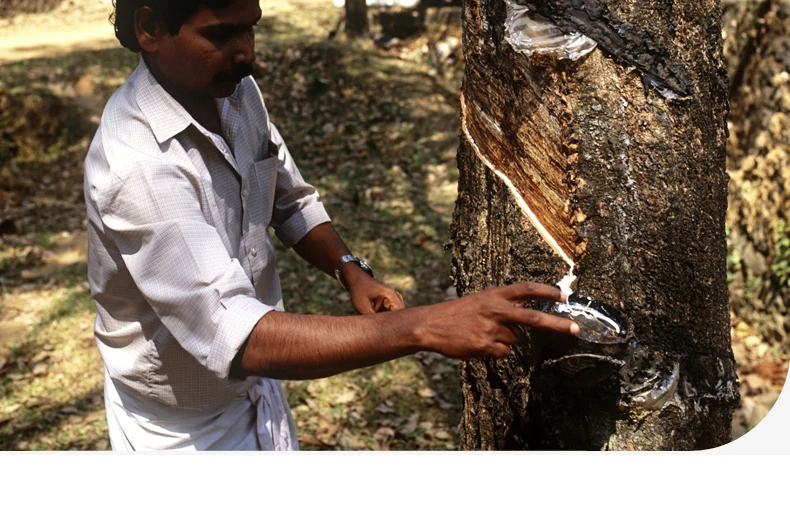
x,y
631,185
356,18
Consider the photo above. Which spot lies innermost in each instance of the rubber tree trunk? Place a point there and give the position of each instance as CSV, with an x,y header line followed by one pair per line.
x,y
356,18
620,157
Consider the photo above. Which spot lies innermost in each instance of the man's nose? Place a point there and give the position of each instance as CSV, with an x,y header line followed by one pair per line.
x,y
245,48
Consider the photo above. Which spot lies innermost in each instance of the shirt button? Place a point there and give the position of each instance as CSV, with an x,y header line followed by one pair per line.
x,y
253,252
244,193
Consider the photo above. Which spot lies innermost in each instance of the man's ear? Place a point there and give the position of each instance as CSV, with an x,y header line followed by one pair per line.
x,y
149,29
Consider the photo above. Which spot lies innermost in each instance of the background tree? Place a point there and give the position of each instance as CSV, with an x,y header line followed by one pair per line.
x,y
357,18
620,157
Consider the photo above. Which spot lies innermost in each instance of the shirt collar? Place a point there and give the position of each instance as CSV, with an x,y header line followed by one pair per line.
x,y
165,115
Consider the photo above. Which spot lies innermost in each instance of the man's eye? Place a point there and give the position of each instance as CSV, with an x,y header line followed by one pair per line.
x,y
218,35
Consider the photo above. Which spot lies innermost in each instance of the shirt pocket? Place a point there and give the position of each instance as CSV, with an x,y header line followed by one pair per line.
x,y
265,177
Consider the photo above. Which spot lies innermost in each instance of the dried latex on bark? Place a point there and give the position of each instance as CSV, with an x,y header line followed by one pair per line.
x,y
530,33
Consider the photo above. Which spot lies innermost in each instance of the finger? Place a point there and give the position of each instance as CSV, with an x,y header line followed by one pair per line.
x,y
518,334
532,290
500,351
364,306
506,334
384,305
397,302
394,301
543,321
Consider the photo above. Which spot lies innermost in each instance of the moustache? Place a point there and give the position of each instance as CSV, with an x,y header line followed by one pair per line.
x,y
234,75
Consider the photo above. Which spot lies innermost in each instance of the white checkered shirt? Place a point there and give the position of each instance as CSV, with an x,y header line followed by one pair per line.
x,y
181,265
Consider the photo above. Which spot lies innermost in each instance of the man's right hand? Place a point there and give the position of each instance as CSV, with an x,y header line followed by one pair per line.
x,y
485,324
293,346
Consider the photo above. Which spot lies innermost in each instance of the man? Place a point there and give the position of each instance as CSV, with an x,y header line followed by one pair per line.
x,y
182,180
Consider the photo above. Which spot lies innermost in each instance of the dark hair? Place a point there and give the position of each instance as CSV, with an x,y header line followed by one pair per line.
x,y
172,12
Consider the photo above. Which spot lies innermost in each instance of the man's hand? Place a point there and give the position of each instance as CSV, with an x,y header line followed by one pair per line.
x,y
485,324
368,295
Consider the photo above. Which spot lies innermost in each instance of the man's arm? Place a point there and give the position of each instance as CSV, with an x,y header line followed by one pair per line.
x,y
322,247
295,214
291,346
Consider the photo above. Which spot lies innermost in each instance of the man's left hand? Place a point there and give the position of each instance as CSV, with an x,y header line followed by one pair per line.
x,y
370,296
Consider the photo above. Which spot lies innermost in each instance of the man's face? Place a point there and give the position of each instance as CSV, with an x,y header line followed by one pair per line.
x,y
212,52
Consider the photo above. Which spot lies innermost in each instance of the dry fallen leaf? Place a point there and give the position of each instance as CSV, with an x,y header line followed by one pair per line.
x,y
12,408
40,357
445,405
426,426
308,439
426,393
411,424
326,439
349,441
327,429
769,370
384,437
346,397
40,369
752,341
383,408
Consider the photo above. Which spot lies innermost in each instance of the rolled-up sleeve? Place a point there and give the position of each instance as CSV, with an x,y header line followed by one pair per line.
x,y
297,208
179,263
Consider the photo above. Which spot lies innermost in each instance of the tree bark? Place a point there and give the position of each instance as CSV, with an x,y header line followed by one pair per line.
x,y
357,18
627,184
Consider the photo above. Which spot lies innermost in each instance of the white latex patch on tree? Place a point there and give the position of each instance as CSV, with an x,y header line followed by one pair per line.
x,y
565,283
528,34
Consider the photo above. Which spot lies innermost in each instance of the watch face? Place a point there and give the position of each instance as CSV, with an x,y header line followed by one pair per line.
x,y
347,259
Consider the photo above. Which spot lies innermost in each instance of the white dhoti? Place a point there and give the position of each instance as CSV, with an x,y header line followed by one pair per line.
x,y
258,420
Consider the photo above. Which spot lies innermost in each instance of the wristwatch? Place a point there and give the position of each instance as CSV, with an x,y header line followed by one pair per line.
x,y
350,259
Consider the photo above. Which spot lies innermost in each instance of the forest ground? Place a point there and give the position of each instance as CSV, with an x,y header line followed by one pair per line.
x,y
374,128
